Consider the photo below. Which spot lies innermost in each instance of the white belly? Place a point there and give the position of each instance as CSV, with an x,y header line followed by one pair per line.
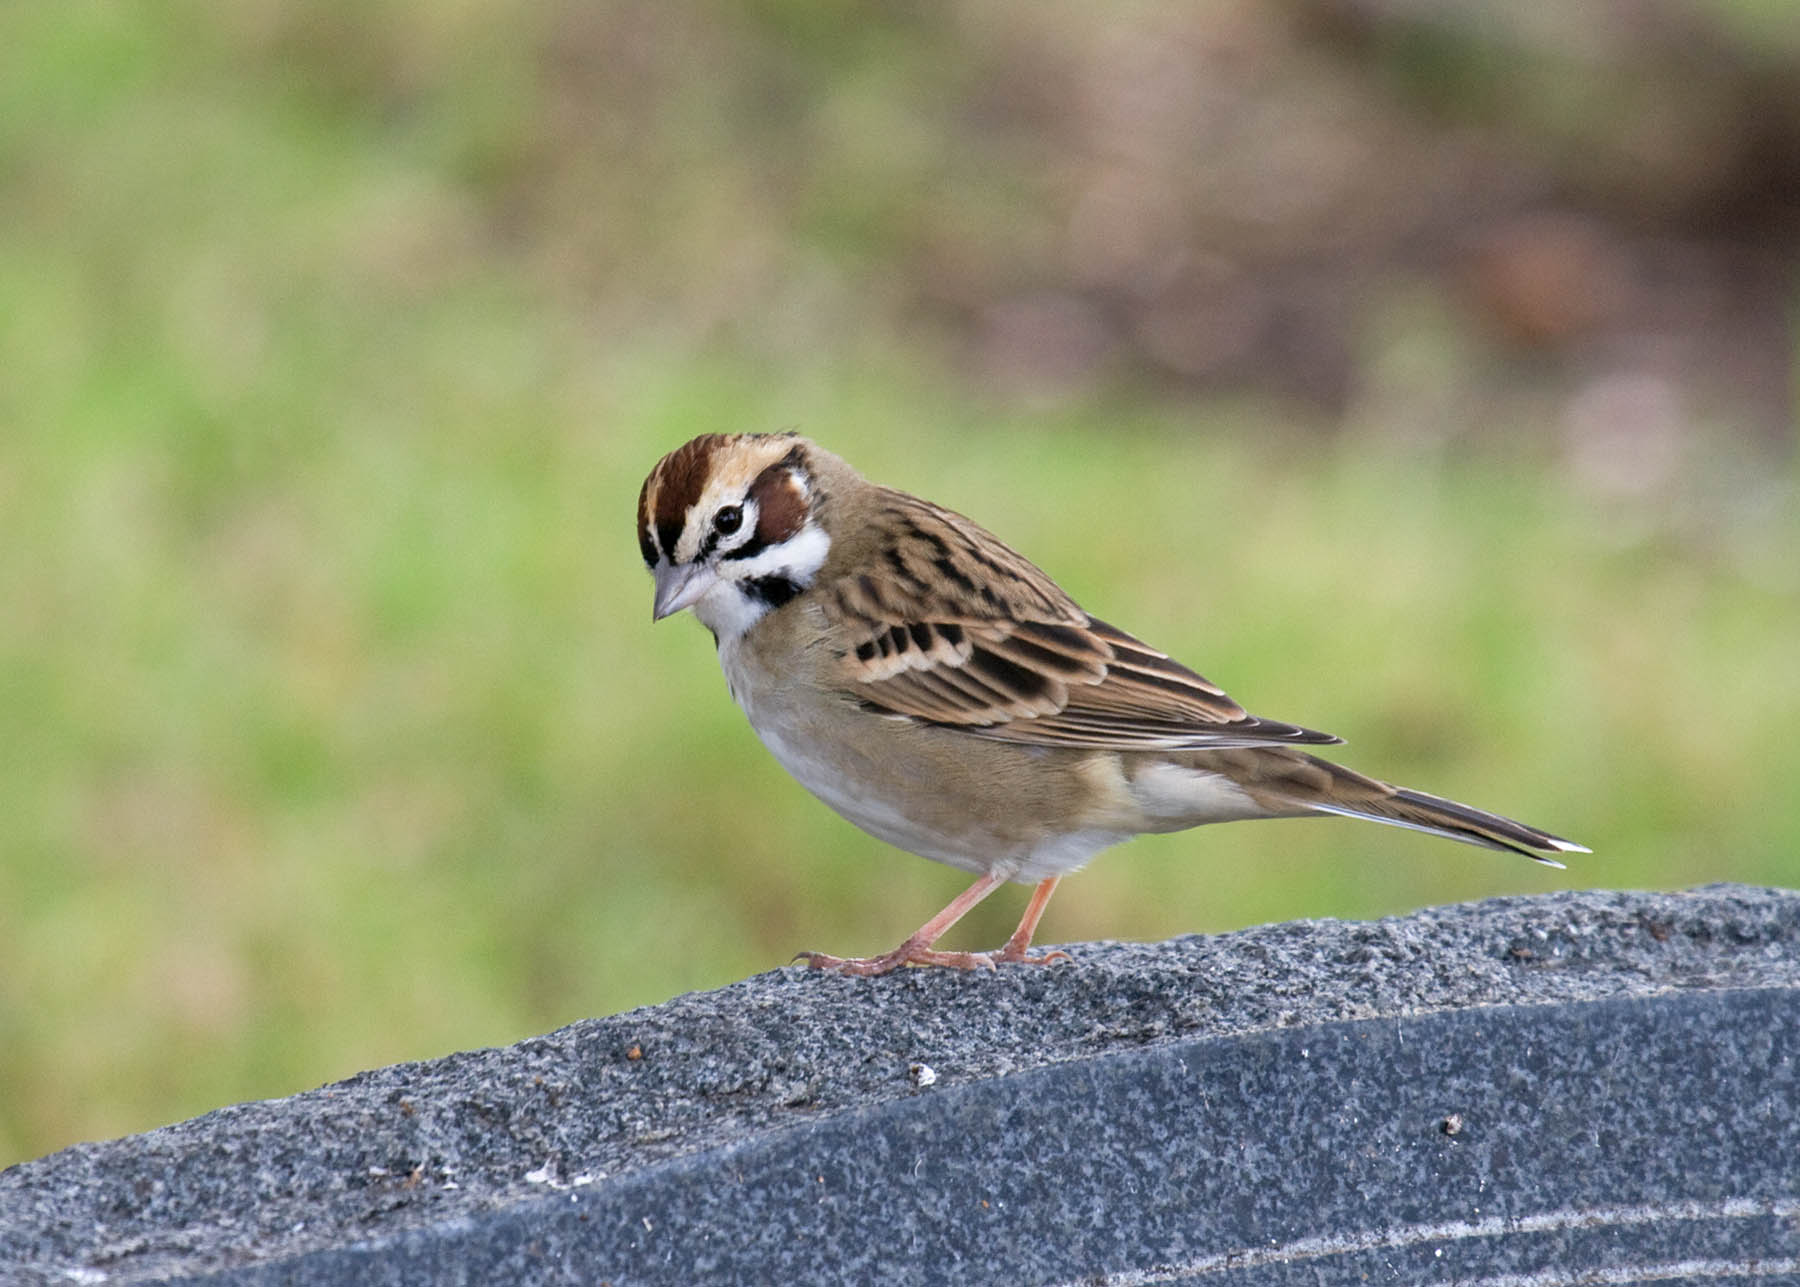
x,y
822,755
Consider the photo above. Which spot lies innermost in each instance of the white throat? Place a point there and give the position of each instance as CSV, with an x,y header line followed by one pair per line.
x,y
748,589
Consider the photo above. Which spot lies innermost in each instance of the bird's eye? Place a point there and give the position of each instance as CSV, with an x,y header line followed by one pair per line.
x,y
729,519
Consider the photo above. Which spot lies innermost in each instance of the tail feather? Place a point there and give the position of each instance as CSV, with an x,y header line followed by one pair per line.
x,y
1440,817
1286,783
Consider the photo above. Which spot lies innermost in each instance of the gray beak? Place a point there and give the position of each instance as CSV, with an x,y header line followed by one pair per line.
x,y
680,586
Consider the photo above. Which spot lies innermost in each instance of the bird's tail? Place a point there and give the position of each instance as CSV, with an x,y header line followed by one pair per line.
x,y
1285,783
1440,817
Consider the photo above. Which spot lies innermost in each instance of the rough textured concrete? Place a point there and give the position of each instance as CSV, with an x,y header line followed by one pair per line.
x,y
1513,1092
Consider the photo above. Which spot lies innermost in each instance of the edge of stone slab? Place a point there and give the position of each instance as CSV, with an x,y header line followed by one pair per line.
x,y
408,1146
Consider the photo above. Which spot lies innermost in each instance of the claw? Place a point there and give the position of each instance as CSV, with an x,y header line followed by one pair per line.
x,y
1054,955
911,954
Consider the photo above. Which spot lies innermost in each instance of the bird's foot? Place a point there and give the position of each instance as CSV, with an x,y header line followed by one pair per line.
x,y
1009,955
888,962
910,953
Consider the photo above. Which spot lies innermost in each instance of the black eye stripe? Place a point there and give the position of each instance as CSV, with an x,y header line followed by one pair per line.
x,y
748,550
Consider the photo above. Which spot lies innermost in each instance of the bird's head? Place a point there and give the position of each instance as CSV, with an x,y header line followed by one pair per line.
x,y
728,525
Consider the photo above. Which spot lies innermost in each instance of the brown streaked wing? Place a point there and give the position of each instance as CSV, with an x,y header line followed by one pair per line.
x,y
954,628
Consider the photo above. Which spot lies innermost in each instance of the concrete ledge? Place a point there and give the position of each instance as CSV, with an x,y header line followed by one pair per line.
x,y
1510,1092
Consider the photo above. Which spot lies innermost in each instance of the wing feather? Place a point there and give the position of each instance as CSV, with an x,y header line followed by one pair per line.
x,y
956,629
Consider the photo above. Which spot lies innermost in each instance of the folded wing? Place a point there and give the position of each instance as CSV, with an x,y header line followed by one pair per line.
x,y
958,630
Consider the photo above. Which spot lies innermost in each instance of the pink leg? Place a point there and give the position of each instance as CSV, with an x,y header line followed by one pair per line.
x,y
1015,949
916,950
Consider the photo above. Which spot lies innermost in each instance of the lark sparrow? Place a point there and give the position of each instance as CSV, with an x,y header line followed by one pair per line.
x,y
946,696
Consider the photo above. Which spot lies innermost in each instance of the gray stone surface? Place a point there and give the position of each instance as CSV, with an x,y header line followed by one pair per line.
x,y
1523,1091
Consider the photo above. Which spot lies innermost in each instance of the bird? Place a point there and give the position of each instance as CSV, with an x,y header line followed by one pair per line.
x,y
940,692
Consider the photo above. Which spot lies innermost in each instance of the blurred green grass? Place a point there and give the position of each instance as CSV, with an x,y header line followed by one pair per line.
x,y
334,732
